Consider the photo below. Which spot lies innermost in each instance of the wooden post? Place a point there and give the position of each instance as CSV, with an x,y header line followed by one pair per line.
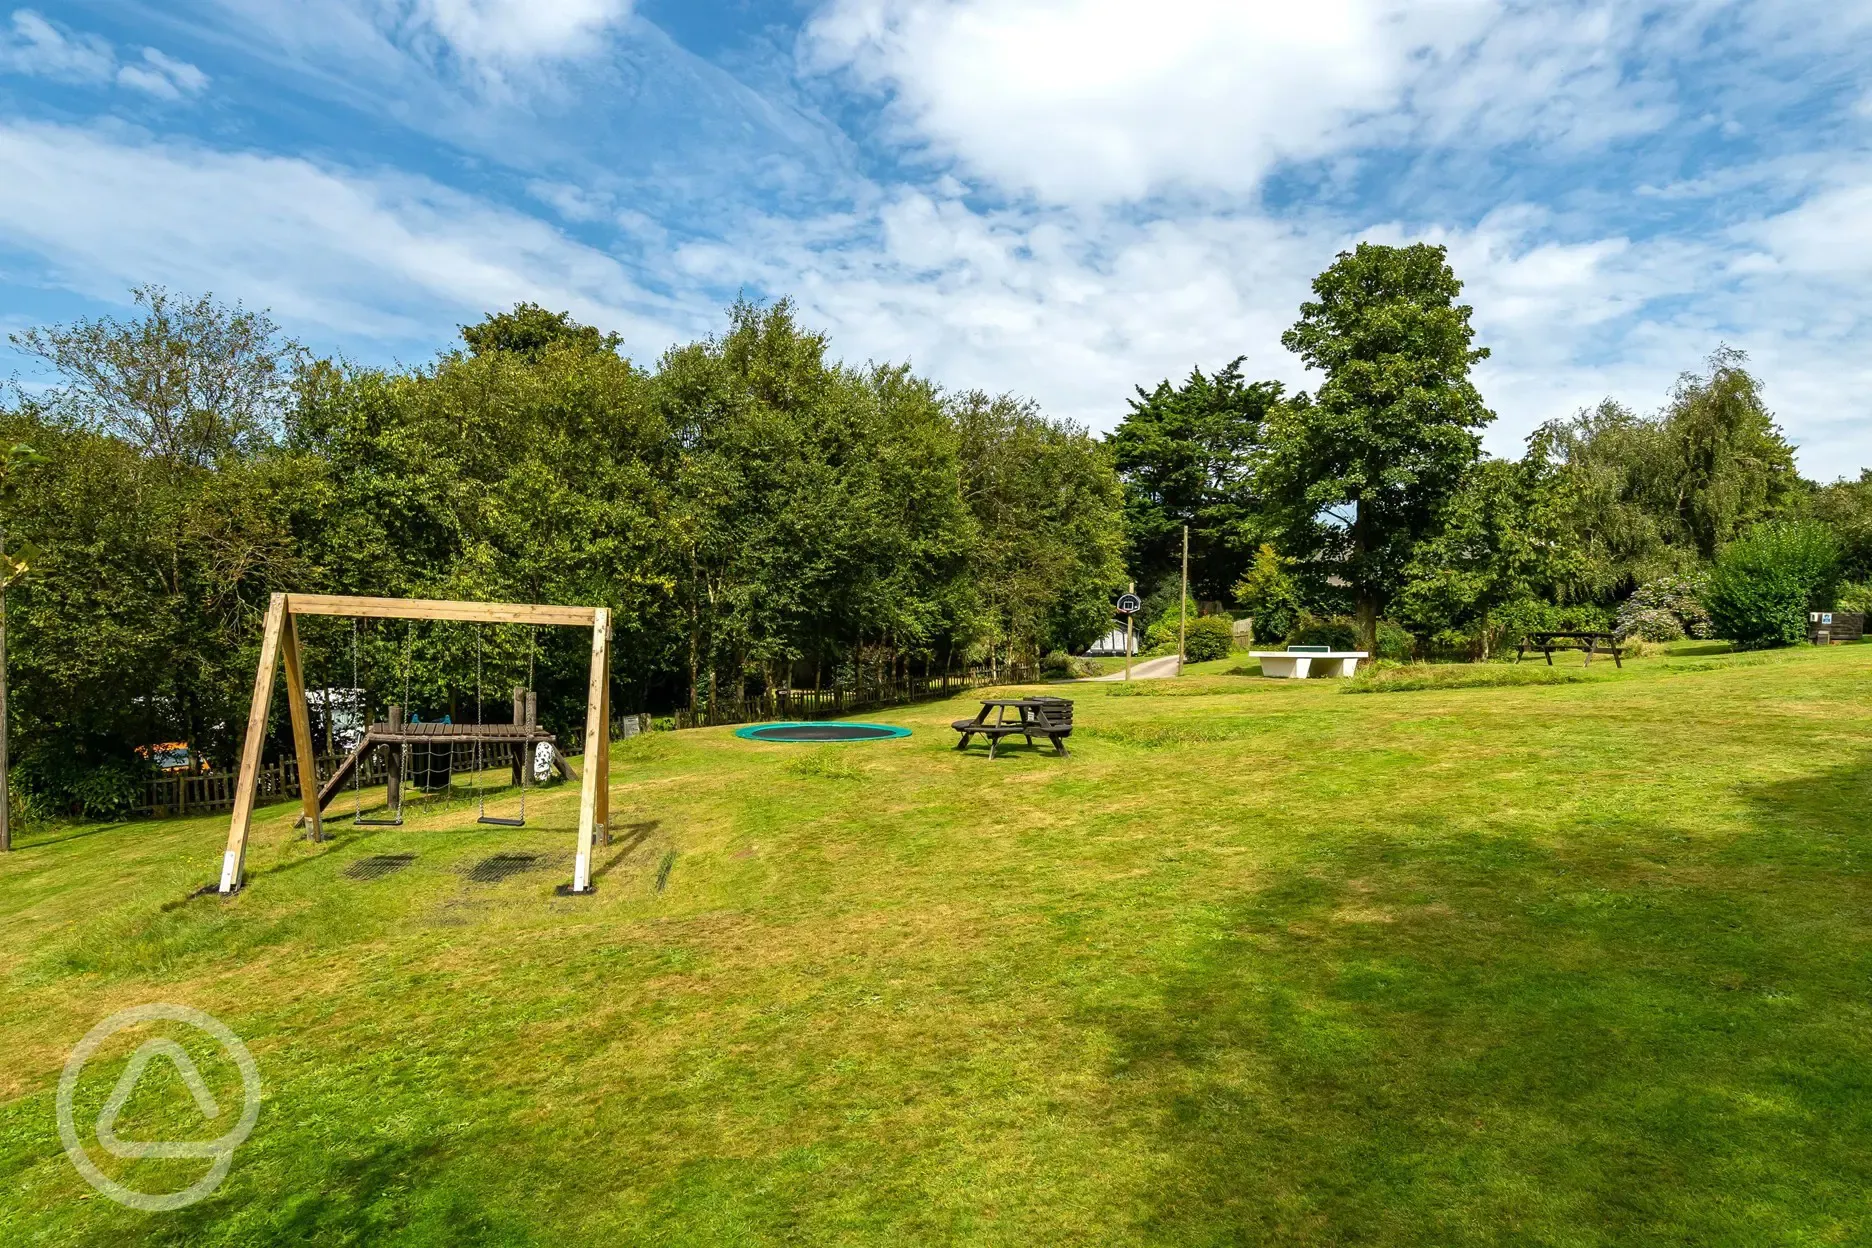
x,y
393,772
233,861
604,744
1183,605
519,717
591,808
305,754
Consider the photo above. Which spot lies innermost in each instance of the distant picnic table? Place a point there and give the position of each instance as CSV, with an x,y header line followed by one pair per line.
x,y
1544,642
1034,717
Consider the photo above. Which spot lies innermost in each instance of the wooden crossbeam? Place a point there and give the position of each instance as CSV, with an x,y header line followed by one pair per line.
x,y
440,609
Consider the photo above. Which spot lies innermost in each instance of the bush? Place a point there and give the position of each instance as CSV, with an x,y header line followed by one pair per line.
x,y
1266,592
1211,637
1056,663
1310,630
1854,596
1394,642
1765,582
1667,609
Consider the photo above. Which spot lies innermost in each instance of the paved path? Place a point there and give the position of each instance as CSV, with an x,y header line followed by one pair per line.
x,y
1142,669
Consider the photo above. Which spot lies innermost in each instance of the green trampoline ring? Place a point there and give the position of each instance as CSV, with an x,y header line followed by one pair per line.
x,y
820,733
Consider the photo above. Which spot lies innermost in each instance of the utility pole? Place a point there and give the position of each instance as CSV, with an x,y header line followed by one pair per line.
x,y
1183,604
1128,647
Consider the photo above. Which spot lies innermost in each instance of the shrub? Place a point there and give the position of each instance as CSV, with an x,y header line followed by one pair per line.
x,y
1266,592
1854,596
1766,581
1056,663
1394,642
1667,609
1211,637
1311,630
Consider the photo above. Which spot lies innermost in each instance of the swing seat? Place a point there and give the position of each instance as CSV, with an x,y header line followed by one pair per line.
x,y
502,823
359,821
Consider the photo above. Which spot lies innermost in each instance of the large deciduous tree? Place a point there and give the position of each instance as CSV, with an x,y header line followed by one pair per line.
x,y
1356,475
184,381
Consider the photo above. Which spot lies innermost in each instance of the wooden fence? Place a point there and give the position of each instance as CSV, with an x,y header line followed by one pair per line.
x,y
194,794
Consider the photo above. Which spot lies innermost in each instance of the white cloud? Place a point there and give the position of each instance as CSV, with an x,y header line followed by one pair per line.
x,y
163,77
35,46
516,30
1105,100
388,256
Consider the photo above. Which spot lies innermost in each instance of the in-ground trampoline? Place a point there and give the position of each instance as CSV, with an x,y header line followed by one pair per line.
x,y
816,733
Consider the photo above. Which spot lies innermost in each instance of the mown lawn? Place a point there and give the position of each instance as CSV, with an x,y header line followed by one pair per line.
x,y
1263,962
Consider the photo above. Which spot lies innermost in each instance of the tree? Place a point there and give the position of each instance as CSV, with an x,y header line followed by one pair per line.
x,y
1500,539
1357,474
1846,508
1730,465
1620,515
1185,455
530,330
1049,532
186,382
1268,593
14,563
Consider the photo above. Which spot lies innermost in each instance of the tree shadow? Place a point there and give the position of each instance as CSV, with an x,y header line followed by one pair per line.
x,y
1403,1040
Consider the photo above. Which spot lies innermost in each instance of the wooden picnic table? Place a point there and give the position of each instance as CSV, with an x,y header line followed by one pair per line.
x,y
1544,643
1034,717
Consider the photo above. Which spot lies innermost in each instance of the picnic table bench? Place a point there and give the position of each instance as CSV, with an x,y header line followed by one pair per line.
x,y
1034,717
1544,642
1296,662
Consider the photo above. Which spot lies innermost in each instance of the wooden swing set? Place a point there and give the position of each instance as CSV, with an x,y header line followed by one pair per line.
x,y
281,641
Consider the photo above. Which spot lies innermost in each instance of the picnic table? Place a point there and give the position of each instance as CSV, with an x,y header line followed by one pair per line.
x,y
1034,717
1544,642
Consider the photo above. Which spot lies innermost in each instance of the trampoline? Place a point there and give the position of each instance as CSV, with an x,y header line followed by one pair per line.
x,y
818,733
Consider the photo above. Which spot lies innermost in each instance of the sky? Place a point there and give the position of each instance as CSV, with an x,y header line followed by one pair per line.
x,y
1060,198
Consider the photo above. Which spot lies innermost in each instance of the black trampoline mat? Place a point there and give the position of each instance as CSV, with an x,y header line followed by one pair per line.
x,y
821,732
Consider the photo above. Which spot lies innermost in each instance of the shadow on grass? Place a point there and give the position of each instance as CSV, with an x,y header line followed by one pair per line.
x,y
1426,1042
1813,820
397,1192
634,835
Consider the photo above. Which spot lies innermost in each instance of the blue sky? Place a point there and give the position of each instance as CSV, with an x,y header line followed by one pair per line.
x,y
1060,198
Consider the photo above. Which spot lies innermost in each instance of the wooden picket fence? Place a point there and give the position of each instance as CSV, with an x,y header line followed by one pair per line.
x,y
198,793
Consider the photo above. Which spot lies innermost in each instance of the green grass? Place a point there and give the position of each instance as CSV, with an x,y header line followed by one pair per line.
x,y
1586,963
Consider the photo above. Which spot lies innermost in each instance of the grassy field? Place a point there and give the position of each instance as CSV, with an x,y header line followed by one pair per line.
x,y
1579,962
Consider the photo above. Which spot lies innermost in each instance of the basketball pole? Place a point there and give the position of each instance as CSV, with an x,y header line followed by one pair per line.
x,y
1132,590
1183,605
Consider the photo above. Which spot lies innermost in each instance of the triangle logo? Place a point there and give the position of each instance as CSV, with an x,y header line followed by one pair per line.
x,y
185,1066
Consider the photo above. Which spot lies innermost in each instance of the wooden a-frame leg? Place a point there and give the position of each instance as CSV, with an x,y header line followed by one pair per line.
x,y
233,861
591,805
604,746
301,728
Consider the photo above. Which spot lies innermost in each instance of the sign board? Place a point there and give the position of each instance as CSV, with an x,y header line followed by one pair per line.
x,y
1129,604
1835,626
